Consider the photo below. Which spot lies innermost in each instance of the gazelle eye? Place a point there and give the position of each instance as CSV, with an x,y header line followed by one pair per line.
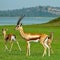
x,y
17,26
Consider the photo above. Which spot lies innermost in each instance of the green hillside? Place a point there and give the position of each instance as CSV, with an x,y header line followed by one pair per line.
x,y
54,22
57,20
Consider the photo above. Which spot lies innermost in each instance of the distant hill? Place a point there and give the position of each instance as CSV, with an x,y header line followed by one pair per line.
x,y
39,11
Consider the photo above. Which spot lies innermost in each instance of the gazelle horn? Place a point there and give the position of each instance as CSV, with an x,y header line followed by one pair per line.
x,y
20,19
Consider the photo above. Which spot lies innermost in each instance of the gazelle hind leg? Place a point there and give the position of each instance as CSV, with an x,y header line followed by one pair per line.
x,y
11,46
45,43
45,48
48,48
51,48
52,51
6,48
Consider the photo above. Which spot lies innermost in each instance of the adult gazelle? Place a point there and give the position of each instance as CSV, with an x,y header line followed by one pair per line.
x,y
44,39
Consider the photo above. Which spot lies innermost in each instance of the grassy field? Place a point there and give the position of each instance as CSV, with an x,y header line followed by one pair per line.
x,y
36,48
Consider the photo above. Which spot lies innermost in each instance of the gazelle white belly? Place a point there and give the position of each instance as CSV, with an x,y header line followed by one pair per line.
x,y
34,40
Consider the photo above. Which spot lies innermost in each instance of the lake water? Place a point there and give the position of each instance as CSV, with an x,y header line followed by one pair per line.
x,y
25,21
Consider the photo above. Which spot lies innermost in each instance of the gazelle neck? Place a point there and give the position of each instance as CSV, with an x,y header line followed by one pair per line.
x,y
22,31
4,33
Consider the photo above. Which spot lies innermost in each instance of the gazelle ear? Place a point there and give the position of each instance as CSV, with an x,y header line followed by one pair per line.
x,y
20,24
2,29
6,29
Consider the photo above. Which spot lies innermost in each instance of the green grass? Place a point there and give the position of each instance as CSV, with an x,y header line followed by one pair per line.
x,y
36,48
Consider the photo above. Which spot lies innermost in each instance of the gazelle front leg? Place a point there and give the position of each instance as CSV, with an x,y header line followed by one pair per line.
x,y
18,45
45,48
28,48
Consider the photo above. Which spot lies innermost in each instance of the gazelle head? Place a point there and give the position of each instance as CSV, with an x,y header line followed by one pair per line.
x,y
4,31
19,24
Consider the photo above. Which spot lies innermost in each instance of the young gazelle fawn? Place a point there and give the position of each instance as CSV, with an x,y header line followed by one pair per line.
x,y
44,39
11,38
